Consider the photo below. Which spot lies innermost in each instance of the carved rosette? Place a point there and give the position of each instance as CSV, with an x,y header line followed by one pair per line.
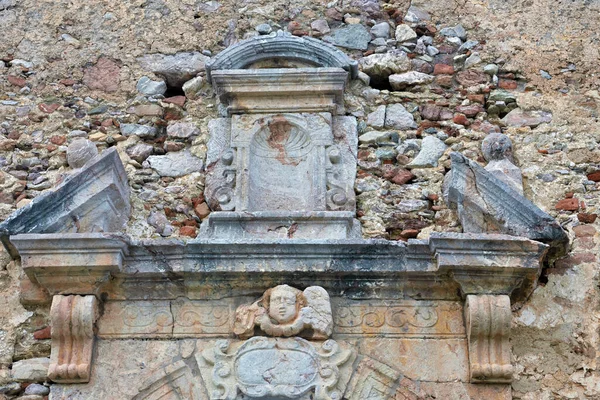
x,y
273,367
73,319
488,319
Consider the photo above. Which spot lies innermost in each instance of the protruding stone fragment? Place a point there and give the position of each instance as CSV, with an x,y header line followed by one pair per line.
x,y
432,149
264,29
412,78
396,116
80,151
149,87
176,164
497,150
175,68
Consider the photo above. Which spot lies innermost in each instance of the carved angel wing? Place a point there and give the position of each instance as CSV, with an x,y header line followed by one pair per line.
x,y
317,313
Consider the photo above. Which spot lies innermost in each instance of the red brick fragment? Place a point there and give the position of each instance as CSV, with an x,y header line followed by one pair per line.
x,y
188,231
177,100
443,69
584,230
587,218
17,80
460,119
568,204
48,108
42,334
507,84
594,176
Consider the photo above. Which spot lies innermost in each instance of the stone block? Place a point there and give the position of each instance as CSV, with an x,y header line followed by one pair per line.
x,y
30,370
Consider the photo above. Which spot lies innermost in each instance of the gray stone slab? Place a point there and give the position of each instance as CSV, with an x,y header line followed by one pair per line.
x,y
94,198
487,204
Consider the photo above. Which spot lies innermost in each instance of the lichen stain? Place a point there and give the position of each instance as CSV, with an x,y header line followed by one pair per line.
x,y
280,130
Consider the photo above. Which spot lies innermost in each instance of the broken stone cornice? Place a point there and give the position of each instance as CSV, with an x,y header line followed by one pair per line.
x,y
281,45
94,198
486,204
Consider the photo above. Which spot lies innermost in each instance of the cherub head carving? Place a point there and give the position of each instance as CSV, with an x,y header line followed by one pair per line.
x,y
287,311
284,303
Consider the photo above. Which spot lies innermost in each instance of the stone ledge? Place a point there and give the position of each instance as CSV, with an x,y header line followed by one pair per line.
x,y
89,263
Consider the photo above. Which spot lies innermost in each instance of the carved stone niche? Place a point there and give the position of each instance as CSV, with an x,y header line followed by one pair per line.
x,y
282,161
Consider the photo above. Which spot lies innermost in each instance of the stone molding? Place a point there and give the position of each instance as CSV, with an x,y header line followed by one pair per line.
x,y
280,45
94,198
264,91
488,321
73,321
125,269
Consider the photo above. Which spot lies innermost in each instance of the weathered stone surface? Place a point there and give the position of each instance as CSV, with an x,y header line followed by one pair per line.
x,y
518,117
149,87
30,370
138,130
175,164
396,116
182,130
80,151
432,149
95,198
104,75
404,33
485,203
286,311
497,150
175,68
354,36
139,152
381,30
380,66
412,78
73,326
376,119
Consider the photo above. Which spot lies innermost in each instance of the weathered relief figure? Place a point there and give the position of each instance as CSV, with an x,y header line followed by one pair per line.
x,y
498,152
287,311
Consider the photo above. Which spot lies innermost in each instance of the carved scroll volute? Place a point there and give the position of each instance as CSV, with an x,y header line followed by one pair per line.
x,y
73,319
488,319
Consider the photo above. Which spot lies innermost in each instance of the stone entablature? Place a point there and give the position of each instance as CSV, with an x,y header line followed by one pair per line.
x,y
340,317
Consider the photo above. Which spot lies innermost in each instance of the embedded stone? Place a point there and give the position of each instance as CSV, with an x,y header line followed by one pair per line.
x,y
30,370
571,204
376,119
103,75
432,149
354,36
375,137
519,117
381,30
404,33
149,87
80,151
380,66
435,113
138,130
396,116
471,77
192,87
140,151
182,130
176,163
412,78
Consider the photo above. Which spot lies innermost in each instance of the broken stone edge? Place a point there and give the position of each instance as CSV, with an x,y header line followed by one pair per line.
x,y
514,213
74,204
281,45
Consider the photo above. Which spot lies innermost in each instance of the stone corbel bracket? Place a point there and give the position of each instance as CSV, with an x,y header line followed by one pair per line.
x,y
73,323
488,319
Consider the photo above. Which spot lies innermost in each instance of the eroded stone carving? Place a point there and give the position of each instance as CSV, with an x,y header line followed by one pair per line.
x,y
497,150
73,319
173,382
488,319
266,368
287,311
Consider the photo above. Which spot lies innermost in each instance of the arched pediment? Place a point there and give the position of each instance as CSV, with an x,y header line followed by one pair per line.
x,y
282,46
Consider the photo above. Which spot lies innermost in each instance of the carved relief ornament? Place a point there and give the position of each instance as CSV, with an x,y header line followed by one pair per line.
x,y
285,311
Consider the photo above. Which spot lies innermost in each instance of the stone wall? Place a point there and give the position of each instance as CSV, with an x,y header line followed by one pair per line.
x,y
436,77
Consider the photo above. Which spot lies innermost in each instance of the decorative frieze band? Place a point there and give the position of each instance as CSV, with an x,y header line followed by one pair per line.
x,y
73,319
